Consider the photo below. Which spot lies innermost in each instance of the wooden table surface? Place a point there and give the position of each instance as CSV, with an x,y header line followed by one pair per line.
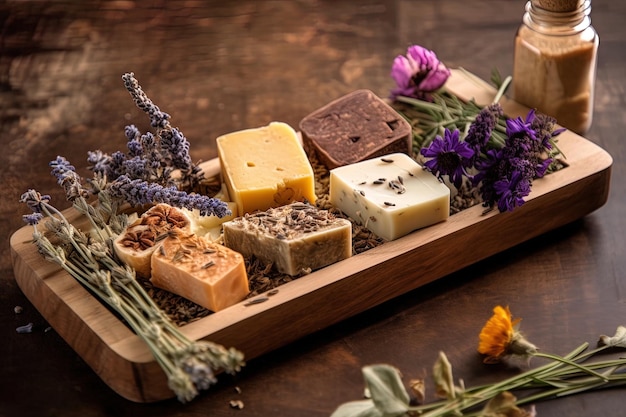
x,y
218,67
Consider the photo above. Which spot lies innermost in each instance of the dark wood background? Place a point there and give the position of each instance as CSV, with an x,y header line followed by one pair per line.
x,y
221,66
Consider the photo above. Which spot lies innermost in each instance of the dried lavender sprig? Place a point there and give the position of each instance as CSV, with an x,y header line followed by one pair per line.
x,y
189,365
75,192
479,132
138,192
67,177
158,119
174,147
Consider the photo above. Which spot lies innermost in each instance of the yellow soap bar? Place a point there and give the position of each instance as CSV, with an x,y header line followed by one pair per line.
x,y
391,195
211,275
265,167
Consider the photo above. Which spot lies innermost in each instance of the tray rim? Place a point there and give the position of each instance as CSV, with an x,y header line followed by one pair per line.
x,y
84,321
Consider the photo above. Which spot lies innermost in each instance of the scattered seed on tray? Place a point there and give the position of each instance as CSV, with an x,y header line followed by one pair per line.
x,y
256,301
27,328
237,404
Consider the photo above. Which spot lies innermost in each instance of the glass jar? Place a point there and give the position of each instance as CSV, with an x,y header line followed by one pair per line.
x,y
555,58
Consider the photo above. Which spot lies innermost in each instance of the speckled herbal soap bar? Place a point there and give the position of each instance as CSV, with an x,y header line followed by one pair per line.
x,y
296,238
209,274
353,128
391,195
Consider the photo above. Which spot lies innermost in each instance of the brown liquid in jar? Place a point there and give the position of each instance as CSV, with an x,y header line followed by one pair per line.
x,y
555,73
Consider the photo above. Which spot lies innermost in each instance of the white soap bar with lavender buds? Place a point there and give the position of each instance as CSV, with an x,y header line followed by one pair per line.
x,y
390,195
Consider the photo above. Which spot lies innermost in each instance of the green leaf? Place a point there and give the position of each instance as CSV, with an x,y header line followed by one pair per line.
x,y
442,373
364,408
387,390
496,78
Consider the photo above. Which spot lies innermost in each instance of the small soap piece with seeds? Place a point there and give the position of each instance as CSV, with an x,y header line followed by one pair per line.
x,y
296,237
209,274
138,242
391,195
353,128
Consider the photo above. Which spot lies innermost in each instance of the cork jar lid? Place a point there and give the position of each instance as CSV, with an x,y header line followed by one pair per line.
x,y
558,5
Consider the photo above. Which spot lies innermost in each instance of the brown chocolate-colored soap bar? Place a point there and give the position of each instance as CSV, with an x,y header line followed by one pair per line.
x,y
353,128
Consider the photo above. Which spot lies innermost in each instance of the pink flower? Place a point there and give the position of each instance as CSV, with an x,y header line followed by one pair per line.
x,y
418,73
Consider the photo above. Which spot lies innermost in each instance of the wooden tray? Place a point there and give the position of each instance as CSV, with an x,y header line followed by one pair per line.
x,y
326,296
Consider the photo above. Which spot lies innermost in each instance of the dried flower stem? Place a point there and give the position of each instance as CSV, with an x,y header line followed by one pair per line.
x,y
429,119
562,376
565,374
189,365
562,373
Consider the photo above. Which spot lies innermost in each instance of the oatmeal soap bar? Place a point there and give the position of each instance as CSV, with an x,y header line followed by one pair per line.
x,y
199,270
265,167
391,195
353,128
295,238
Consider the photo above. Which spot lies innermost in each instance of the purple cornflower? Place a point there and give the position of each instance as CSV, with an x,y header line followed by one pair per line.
x,y
158,119
530,140
542,166
503,179
418,73
480,129
487,163
511,191
138,192
505,176
449,156
518,128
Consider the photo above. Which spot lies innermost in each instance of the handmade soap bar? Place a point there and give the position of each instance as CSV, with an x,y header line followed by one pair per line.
x,y
138,242
211,226
353,128
295,238
204,272
265,167
390,195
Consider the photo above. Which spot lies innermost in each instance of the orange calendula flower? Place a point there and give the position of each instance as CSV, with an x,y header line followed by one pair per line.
x,y
500,337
